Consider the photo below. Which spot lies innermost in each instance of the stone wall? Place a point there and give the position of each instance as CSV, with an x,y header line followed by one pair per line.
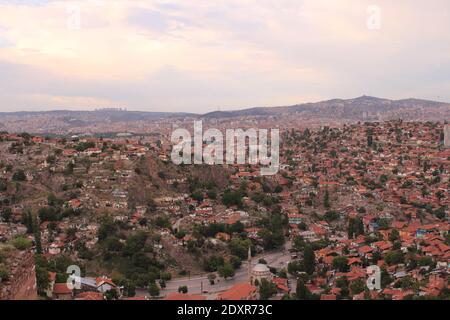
x,y
21,284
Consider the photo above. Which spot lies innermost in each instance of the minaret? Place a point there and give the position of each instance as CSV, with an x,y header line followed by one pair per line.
x,y
249,259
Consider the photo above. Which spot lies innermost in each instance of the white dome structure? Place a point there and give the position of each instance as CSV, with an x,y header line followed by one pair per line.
x,y
259,272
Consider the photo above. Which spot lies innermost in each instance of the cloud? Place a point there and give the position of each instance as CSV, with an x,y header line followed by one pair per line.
x,y
195,56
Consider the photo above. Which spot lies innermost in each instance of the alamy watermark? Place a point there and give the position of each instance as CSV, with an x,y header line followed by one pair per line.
x,y
373,21
374,280
251,146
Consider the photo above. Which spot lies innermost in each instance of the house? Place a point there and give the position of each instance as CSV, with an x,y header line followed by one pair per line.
x,y
223,236
104,284
61,291
100,284
295,218
240,291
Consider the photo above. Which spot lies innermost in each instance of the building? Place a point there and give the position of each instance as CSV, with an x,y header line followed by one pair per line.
x,y
240,291
61,291
295,218
259,272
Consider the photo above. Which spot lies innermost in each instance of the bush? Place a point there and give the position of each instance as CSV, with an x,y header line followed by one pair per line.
x,y
21,243
4,274
153,289
183,289
19,175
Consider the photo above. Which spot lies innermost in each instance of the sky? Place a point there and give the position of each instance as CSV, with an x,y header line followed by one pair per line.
x,y
207,55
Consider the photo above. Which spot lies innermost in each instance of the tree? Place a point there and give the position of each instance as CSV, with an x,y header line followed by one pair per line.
x,y
342,283
267,289
357,286
232,198
183,289
235,262
106,229
111,295
239,247
326,199
19,175
369,140
4,274
271,239
212,277
309,260
394,257
394,236
355,227
42,275
213,263
21,243
166,276
153,289
299,243
129,287
37,235
226,271
302,292
7,214
341,264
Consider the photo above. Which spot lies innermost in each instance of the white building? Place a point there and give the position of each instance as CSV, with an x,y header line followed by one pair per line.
x,y
259,272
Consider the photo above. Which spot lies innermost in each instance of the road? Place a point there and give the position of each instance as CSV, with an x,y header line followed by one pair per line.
x,y
200,284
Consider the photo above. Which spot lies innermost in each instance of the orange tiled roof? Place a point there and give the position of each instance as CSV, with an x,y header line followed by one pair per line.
x,y
241,291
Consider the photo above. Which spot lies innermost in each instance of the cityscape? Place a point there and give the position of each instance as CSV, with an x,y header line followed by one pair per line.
x,y
186,151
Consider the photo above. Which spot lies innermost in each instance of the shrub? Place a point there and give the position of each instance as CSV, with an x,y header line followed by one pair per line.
x,y
21,243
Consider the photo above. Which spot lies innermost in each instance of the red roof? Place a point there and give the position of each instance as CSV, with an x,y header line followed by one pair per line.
x,y
328,297
61,288
241,291
102,280
89,295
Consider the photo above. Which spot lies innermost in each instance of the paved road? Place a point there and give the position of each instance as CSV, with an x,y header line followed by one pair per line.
x,y
195,284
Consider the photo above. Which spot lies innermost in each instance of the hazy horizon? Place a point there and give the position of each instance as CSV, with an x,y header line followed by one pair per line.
x,y
222,109
197,57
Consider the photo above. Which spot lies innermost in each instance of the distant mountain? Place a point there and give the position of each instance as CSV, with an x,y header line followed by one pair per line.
x,y
335,112
361,108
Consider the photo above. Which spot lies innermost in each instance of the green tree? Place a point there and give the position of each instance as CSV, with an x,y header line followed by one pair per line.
x,y
357,286
394,236
226,271
37,235
326,199
341,264
111,295
19,175
21,243
267,289
183,289
309,260
394,257
4,274
6,214
153,289
302,292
